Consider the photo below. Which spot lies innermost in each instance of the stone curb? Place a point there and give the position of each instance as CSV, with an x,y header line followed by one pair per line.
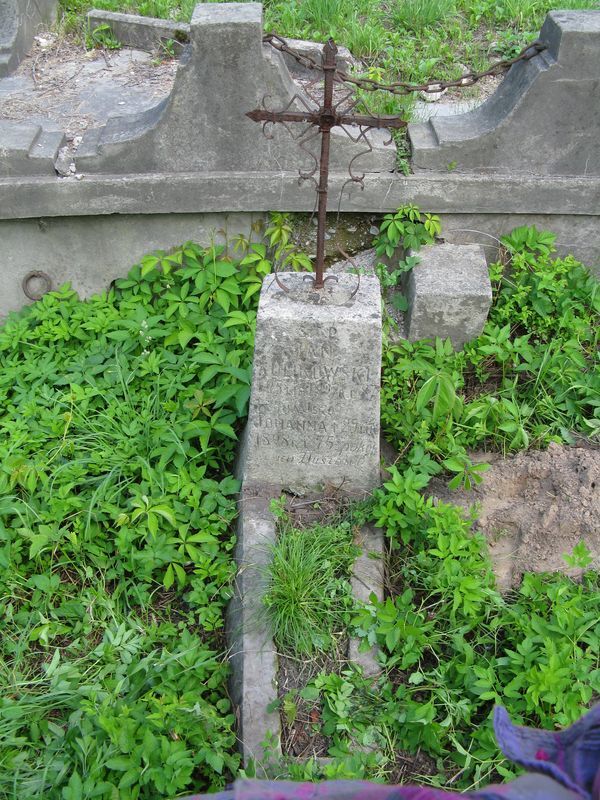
x,y
253,656
167,193
253,659
368,579
143,33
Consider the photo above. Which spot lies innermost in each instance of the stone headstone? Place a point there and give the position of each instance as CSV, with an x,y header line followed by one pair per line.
x,y
314,408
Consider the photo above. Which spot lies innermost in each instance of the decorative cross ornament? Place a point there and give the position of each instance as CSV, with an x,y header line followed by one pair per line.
x,y
327,116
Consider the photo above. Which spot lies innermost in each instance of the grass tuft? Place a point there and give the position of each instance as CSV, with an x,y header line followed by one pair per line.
x,y
309,594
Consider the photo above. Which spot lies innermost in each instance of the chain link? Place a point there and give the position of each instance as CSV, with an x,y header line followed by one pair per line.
x,y
402,87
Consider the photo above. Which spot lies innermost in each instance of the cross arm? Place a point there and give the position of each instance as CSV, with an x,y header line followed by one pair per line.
x,y
322,118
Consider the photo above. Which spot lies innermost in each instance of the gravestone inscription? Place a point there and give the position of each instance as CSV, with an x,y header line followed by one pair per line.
x,y
314,408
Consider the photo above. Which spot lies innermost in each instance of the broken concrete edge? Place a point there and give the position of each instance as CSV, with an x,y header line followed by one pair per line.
x,y
228,59
252,652
143,33
169,193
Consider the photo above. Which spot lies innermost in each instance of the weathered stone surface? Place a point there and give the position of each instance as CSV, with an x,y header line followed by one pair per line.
x,y
182,193
252,657
314,408
19,21
144,33
543,119
314,51
449,294
367,579
225,72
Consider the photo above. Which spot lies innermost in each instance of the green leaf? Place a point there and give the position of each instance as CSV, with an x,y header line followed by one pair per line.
x,y
169,578
166,513
223,299
225,429
38,543
119,763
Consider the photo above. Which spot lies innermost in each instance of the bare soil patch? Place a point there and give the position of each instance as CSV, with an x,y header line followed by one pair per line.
x,y
301,719
534,507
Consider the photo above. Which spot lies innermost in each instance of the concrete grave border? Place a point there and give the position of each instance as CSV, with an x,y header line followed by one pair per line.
x,y
253,655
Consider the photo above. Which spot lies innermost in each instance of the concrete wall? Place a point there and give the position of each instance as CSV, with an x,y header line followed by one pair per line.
x,y
154,180
91,252
20,20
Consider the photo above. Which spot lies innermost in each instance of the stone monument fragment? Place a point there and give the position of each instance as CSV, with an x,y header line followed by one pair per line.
x,y
225,71
449,293
543,119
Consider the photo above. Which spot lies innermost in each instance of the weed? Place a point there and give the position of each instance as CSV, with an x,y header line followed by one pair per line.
x,y
119,424
102,36
308,598
416,15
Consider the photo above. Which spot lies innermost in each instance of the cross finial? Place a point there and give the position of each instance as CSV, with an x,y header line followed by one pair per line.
x,y
326,117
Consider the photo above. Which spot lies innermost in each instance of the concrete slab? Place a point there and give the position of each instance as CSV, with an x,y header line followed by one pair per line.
x,y
253,657
80,92
368,580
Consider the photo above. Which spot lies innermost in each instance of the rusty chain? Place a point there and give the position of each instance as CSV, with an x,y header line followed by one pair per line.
x,y
402,87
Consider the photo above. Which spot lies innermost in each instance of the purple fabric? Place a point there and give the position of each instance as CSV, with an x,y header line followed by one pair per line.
x,y
571,757
560,766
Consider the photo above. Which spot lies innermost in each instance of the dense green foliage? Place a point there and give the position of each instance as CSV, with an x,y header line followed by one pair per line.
x,y
450,648
450,645
530,378
119,418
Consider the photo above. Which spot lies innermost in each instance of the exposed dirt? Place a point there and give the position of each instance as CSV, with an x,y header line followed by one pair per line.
x,y
409,767
535,507
319,508
301,719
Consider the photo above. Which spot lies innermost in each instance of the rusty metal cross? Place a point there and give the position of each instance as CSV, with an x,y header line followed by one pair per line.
x,y
327,116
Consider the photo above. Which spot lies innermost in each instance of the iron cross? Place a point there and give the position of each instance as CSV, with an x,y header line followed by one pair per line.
x,y
325,117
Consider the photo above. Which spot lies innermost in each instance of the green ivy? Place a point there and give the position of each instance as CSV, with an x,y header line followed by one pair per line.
x,y
119,422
